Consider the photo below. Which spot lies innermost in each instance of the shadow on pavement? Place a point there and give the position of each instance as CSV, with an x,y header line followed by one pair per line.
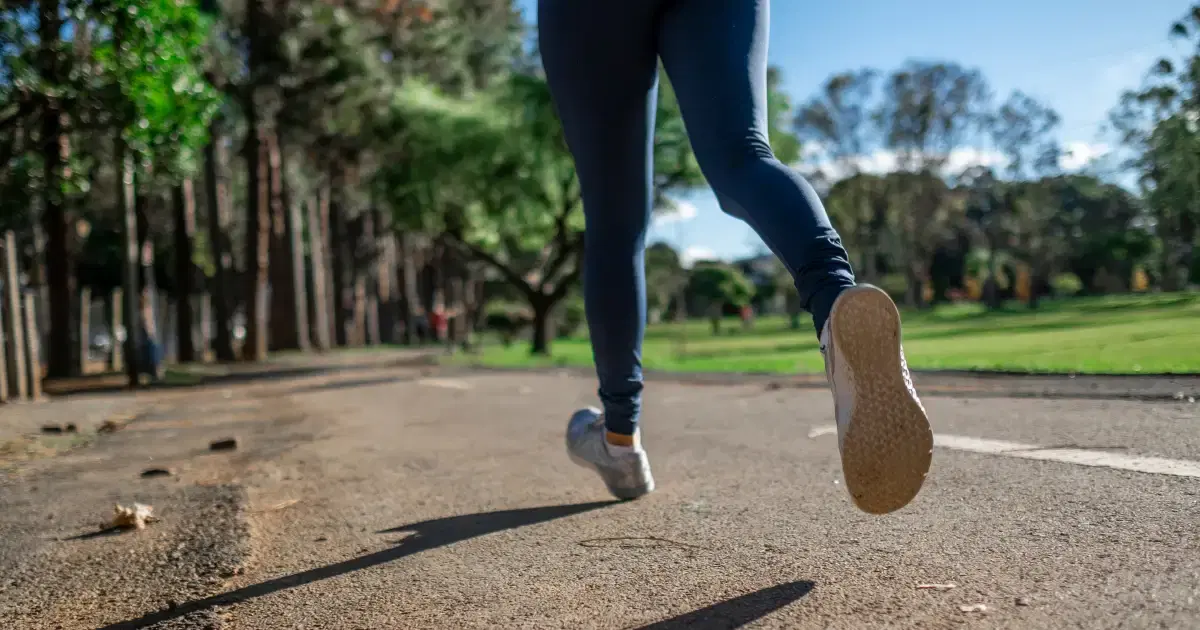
x,y
425,535
107,531
739,611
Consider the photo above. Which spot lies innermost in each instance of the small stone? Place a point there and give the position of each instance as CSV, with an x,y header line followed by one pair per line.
x,y
157,472
227,444
1024,601
71,428
322,538
974,608
52,428
172,604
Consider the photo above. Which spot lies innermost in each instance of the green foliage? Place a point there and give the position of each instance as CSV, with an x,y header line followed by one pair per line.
x,y
784,142
1066,285
151,62
1160,122
665,275
720,284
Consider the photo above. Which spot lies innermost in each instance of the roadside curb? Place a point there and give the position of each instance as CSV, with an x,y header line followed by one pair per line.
x,y
1140,387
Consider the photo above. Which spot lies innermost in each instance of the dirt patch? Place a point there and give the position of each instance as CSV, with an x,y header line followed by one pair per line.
x,y
14,452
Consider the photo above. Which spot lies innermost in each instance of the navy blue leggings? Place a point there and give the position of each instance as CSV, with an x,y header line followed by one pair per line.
x,y
601,61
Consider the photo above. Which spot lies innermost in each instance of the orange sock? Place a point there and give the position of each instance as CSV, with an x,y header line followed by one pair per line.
x,y
618,443
617,439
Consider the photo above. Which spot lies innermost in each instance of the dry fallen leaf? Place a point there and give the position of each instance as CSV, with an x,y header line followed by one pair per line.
x,y
284,504
937,587
974,608
136,516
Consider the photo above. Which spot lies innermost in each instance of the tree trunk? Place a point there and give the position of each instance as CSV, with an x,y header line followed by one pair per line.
x,y
258,228
543,326
149,296
408,264
339,261
364,238
319,262
866,267
285,332
913,295
218,240
330,271
385,278
185,228
12,349
1036,282
131,288
54,214
474,303
258,243
294,225
991,296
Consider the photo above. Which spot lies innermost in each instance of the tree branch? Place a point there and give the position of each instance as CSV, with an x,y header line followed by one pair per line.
x,y
565,252
562,245
567,282
509,274
24,108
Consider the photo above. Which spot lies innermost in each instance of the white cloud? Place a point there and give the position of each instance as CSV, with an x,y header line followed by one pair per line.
x,y
1077,155
884,161
679,212
1129,71
692,255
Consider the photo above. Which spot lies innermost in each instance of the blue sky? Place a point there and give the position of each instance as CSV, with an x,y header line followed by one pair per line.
x,y
1076,55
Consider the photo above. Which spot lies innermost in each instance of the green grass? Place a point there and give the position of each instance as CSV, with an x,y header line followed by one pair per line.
x,y
1116,334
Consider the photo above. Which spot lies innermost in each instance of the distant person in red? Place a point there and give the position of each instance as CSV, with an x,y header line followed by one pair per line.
x,y
439,320
439,323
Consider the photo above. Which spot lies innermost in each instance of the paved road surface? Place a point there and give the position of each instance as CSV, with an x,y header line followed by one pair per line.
x,y
397,498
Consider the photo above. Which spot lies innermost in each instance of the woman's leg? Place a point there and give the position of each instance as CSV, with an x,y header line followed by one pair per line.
x,y
602,68
715,52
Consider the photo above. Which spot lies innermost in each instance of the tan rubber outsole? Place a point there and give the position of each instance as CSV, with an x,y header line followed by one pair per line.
x,y
888,445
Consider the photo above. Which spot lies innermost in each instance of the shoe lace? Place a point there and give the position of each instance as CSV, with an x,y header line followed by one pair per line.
x,y
908,382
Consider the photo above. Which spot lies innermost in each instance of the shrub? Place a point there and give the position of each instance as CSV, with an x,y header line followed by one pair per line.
x,y
1066,285
507,320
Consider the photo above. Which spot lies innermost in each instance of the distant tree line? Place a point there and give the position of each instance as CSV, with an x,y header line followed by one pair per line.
x,y
305,175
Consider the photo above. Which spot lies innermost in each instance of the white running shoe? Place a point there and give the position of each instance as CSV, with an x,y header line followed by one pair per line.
x,y
627,475
883,431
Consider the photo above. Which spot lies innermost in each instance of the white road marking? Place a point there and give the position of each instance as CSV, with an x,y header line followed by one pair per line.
x,y
1077,456
444,383
819,431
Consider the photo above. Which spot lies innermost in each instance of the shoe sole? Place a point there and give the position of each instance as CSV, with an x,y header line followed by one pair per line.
x,y
888,445
624,494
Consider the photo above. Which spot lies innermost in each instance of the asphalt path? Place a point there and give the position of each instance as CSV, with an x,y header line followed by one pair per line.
x,y
410,497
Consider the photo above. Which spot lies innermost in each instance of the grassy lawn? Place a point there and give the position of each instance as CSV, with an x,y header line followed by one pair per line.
x,y
1114,334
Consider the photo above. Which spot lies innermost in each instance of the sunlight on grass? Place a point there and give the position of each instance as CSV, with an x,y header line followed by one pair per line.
x,y
1114,334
